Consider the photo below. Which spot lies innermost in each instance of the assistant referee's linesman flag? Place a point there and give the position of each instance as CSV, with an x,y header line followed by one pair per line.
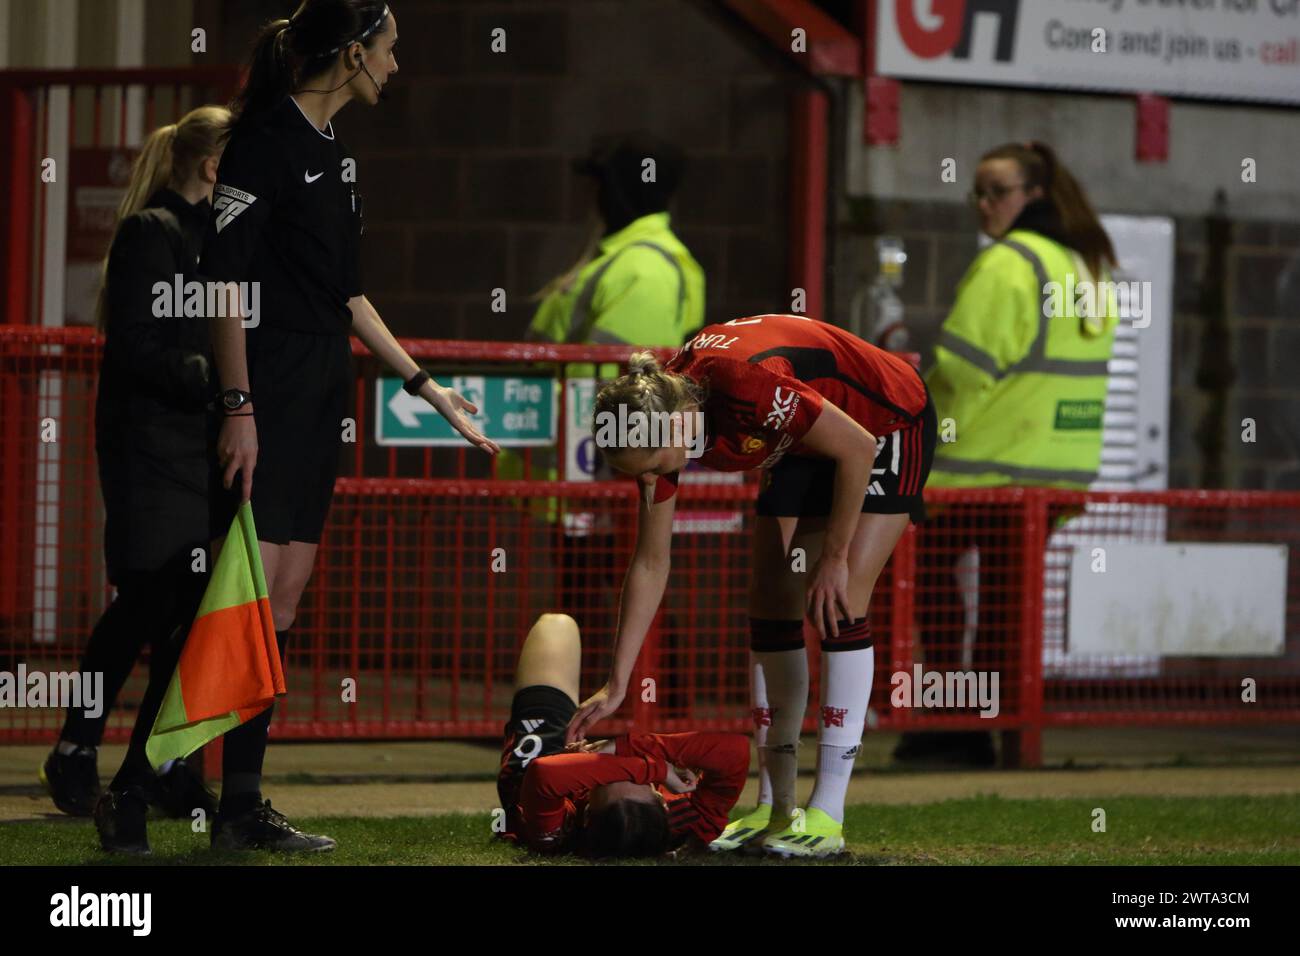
x,y
230,668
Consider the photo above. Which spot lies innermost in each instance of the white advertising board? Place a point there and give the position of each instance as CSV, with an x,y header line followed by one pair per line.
x,y
1222,49
1178,600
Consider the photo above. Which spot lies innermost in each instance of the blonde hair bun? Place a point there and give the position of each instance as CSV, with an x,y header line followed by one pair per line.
x,y
643,363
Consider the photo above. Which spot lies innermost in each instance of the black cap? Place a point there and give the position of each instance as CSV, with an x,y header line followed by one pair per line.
x,y
616,161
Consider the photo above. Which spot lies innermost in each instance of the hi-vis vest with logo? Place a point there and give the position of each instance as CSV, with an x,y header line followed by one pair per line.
x,y
1020,370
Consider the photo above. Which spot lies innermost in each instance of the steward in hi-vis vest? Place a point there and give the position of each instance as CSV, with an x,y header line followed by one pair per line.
x,y
637,285
1019,383
642,288
1021,367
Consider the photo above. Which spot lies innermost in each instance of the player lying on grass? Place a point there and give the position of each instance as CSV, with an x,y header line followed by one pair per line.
x,y
634,795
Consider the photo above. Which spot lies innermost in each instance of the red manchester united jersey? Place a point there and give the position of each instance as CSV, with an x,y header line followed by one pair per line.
x,y
557,787
766,378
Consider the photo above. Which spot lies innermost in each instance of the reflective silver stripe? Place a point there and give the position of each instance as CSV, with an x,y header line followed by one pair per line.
x,y
578,317
1040,273
1080,367
963,349
1036,359
964,466
681,276
580,320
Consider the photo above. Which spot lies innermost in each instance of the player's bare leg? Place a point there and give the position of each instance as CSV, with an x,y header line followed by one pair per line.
x,y
551,655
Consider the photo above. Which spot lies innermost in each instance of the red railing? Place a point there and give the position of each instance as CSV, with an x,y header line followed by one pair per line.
x,y
405,600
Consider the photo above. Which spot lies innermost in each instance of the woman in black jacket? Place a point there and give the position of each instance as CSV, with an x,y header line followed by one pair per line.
x,y
154,385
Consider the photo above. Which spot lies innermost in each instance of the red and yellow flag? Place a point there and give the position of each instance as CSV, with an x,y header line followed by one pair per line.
x,y
229,670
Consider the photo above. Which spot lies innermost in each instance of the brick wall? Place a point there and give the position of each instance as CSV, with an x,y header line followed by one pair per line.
x,y
465,168
1245,364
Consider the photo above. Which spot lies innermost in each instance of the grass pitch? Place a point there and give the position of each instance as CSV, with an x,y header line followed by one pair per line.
x,y
975,831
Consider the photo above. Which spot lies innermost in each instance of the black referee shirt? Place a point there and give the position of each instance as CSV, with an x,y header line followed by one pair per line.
x,y
286,213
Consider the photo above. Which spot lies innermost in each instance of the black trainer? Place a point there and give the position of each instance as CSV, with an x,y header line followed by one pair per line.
x,y
73,780
264,828
181,791
120,819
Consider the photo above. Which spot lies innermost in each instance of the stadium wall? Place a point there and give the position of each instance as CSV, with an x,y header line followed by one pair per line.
x,y
465,169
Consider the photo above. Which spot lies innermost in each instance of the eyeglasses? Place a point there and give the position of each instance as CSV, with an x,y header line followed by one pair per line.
x,y
995,193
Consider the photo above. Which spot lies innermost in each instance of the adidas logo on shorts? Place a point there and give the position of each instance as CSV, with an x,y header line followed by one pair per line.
x,y
531,725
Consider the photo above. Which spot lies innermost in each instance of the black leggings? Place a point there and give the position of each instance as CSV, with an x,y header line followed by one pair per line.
x,y
154,608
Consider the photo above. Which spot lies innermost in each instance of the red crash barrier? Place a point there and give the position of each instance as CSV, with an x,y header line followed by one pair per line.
x,y
434,566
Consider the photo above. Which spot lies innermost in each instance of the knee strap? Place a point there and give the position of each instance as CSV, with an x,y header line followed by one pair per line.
x,y
854,636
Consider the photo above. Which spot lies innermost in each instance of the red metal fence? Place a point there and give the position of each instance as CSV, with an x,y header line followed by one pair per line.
x,y
406,600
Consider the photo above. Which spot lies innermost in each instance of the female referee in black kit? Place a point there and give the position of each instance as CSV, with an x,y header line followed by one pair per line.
x,y
287,215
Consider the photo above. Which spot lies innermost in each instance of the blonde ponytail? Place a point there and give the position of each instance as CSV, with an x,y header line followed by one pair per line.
x,y
152,170
169,157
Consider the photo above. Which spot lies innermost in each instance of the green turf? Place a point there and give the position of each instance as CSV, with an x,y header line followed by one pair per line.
x,y
982,830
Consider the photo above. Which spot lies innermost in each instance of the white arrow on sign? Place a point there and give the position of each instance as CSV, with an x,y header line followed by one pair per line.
x,y
406,407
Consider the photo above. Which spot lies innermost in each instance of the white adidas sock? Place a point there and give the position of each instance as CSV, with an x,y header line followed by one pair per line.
x,y
762,720
846,691
785,674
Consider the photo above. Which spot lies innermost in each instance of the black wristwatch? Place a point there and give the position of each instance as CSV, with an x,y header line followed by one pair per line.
x,y
233,399
413,384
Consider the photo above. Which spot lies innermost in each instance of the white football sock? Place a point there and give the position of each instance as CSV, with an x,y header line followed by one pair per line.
x,y
762,720
846,691
785,674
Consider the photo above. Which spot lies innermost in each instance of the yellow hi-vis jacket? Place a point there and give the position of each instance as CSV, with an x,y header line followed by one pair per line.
x,y
1020,374
642,288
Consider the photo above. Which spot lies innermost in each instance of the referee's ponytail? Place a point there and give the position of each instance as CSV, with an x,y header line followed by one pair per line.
x,y
287,53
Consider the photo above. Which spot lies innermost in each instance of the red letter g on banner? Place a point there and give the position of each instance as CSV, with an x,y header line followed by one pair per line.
x,y
928,44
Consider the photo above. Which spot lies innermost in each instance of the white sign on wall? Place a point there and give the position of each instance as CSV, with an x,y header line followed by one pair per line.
x,y
1225,49
1179,600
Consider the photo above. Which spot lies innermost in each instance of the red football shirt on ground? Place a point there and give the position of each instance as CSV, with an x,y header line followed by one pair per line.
x,y
556,788
767,377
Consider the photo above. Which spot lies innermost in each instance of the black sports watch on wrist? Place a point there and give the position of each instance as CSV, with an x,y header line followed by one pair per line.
x,y
413,384
233,399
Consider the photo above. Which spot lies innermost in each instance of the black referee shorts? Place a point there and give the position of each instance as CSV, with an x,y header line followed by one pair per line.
x,y
804,487
301,385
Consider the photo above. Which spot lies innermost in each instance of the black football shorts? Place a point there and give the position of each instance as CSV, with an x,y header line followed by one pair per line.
x,y
539,716
803,487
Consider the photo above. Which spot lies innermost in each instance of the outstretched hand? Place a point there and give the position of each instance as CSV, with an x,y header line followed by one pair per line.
x,y
592,711
452,406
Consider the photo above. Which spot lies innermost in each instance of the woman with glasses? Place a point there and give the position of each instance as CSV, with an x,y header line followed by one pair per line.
x,y
1019,382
